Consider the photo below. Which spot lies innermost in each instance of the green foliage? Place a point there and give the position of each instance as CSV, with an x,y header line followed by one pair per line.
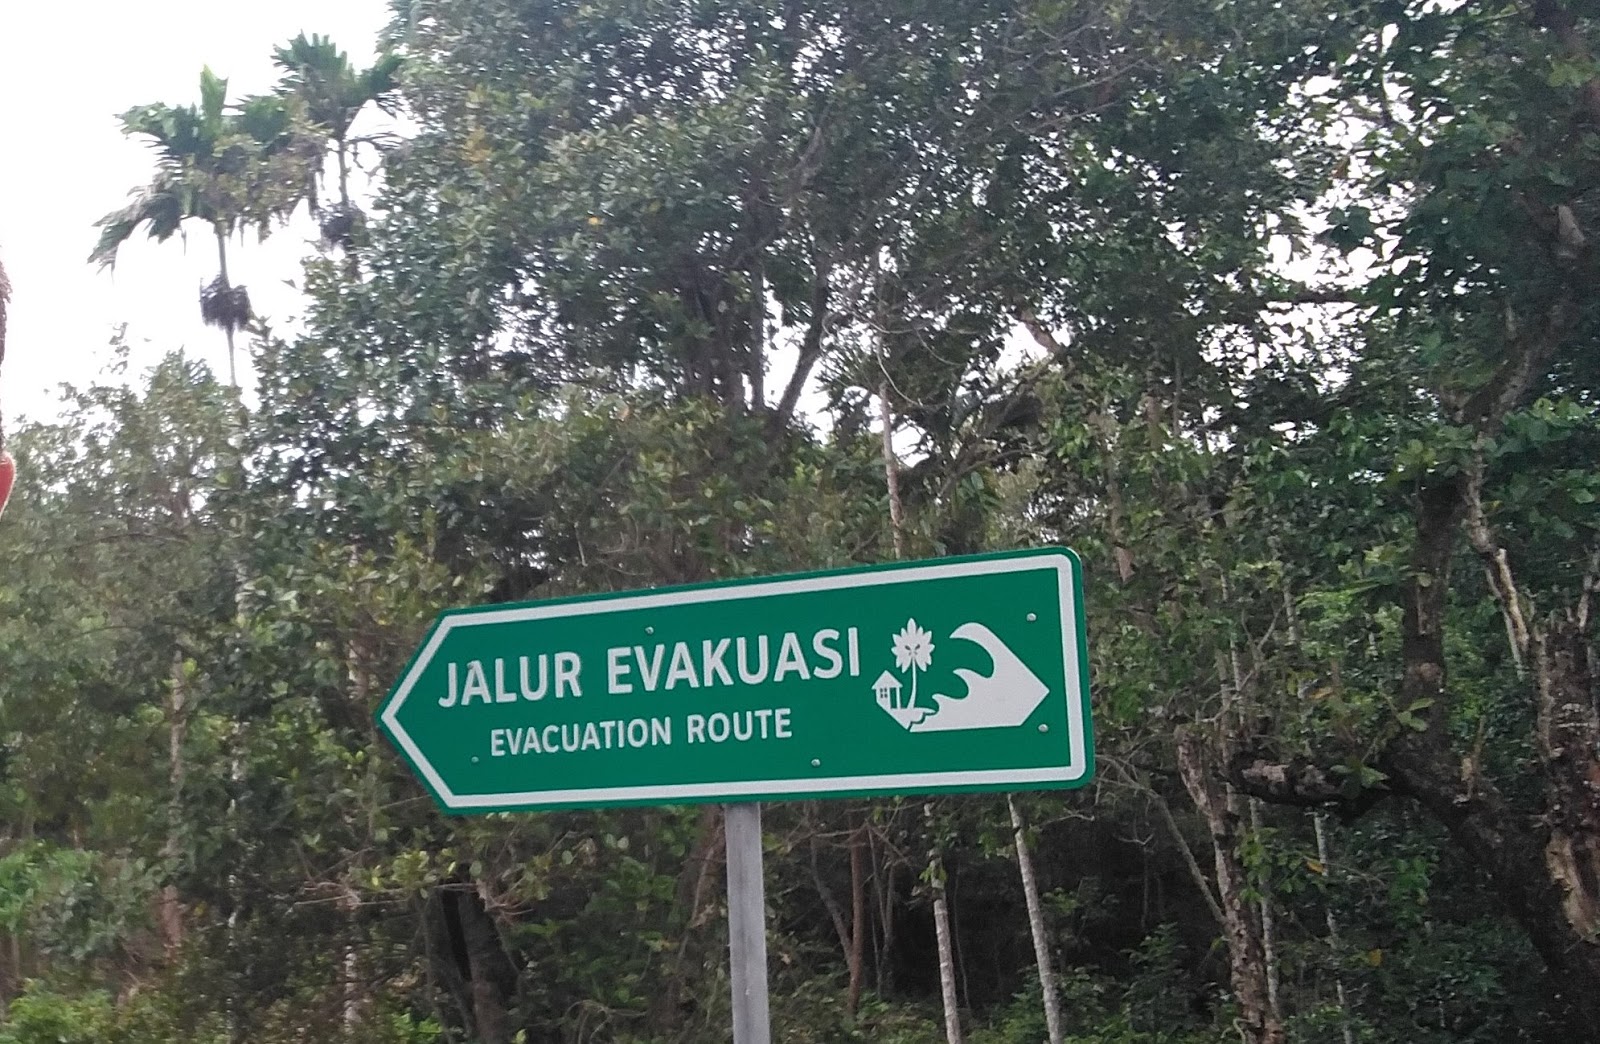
x,y
232,169
623,313
42,1017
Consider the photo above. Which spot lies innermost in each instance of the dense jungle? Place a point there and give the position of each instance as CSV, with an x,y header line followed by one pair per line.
x,y
1281,313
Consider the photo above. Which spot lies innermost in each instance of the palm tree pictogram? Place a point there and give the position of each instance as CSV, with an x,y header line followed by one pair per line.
x,y
913,650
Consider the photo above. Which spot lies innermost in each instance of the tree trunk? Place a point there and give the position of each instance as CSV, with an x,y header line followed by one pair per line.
x,y
858,919
756,370
851,933
1324,856
947,964
350,973
884,902
1544,865
891,478
841,928
356,659
222,264
340,148
1247,959
1232,692
942,936
1291,615
1521,860
1041,939
170,907
1546,868
1269,931
1569,737
486,967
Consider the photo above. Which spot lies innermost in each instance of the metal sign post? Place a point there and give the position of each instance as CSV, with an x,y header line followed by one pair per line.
x,y
747,924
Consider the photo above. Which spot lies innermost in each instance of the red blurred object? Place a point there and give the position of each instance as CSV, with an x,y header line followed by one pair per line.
x,y
8,475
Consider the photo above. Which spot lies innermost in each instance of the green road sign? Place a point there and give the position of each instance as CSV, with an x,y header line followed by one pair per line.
x,y
917,677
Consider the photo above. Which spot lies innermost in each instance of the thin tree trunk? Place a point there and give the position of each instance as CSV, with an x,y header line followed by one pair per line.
x,y
10,974
1247,962
891,477
1201,882
347,213
756,370
344,174
1266,922
941,932
222,263
829,903
360,693
171,908
351,973
1346,1030
1269,931
19,954
1105,426
883,896
1041,941
858,919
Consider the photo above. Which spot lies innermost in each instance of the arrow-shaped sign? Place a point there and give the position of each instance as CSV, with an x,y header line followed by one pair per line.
x,y
961,674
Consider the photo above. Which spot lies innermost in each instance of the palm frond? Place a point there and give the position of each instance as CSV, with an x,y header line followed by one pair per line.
x,y
334,91
267,119
213,99
160,206
175,132
313,55
381,83
230,166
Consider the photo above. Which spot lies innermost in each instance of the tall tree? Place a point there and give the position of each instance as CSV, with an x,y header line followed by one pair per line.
x,y
1482,159
119,606
231,168
333,93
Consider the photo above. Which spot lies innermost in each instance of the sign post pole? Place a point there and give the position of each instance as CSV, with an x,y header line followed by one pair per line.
x,y
747,923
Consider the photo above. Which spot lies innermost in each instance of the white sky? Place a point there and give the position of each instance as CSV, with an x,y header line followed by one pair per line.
x,y
66,69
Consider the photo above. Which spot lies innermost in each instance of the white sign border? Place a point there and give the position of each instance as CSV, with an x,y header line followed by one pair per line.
x,y
666,794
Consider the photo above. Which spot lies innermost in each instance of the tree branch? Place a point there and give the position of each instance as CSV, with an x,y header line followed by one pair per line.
x,y
1496,567
1300,783
810,352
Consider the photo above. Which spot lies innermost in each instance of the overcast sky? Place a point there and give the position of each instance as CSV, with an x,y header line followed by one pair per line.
x,y
66,70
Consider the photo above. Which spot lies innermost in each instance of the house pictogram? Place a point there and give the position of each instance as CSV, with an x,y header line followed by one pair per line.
x,y
887,688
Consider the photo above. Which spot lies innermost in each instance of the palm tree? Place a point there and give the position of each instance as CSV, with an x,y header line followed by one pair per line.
x,y
333,93
230,167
